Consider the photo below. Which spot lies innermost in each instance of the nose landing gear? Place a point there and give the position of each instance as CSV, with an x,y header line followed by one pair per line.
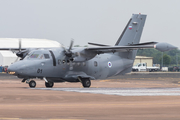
x,y
32,84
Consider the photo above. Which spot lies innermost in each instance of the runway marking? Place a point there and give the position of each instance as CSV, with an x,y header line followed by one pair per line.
x,y
123,91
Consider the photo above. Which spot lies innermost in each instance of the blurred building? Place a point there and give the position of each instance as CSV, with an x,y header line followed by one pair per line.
x,y
7,56
144,59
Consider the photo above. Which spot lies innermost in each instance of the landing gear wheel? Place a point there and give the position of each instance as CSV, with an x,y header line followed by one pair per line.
x,y
86,83
49,84
32,84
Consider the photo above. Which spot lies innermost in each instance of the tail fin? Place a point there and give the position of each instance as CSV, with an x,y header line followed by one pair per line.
x,y
133,30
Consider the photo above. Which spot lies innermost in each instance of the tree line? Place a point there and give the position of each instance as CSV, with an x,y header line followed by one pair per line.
x,y
170,58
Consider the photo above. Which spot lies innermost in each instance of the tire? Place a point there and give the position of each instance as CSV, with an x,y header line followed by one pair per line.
x,y
49,84
32,84
86,83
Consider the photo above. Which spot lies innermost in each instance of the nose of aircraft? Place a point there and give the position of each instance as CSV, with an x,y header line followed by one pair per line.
x,y
15,68
11,69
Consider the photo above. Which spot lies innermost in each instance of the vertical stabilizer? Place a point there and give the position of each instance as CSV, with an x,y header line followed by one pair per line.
x,y
133,30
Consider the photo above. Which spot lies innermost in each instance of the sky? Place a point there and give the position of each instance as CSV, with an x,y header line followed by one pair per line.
x,y
99,21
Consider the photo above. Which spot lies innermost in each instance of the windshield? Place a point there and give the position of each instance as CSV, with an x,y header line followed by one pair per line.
x,y
34,55
37,55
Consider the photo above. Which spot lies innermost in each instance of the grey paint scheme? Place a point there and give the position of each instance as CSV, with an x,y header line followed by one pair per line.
x,y
92,63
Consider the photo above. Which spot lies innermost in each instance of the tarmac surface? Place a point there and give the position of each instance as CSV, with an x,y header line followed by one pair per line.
x,y
123,91
137,96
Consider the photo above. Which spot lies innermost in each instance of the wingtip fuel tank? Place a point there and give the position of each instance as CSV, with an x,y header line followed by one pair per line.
x,y
164,47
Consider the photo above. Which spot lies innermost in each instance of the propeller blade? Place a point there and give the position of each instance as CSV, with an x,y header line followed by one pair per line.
x,y
64,48
19,45
68,52
71,44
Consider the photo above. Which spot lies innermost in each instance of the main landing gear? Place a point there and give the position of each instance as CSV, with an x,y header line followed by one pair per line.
x,y
86,82
49,84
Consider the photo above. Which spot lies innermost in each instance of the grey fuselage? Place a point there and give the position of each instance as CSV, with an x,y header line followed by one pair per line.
x,y
88,63
84,64
57,70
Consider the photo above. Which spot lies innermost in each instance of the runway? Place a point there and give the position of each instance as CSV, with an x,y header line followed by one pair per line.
x,y
123,91
137,96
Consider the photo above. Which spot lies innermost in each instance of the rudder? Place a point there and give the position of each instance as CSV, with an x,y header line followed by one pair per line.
x,y
133,30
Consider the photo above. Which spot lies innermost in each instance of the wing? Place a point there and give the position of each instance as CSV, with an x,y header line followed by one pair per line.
x,y
147,43
106,49
83,54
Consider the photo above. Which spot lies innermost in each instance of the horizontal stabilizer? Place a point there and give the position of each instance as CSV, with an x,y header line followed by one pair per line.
x,y
96,44
12,48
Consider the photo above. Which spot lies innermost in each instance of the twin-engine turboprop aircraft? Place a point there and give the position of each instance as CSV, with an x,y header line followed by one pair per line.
x,y
83,64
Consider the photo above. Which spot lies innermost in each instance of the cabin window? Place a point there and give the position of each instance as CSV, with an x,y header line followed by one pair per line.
x,y
68,61
42,57
63,61
59,62
78,64
84,64
95,63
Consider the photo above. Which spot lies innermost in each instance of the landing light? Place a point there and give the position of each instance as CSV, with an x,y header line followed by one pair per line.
x,y
11,73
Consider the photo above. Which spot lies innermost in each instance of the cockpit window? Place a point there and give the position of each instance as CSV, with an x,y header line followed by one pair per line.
x,y
41,57
46,56
34,56
37,55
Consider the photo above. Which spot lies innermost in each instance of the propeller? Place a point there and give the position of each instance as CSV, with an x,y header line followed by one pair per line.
x,y
19,45
68,53
21,53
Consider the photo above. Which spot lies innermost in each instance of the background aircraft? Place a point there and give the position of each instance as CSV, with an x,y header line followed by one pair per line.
x,y
84,64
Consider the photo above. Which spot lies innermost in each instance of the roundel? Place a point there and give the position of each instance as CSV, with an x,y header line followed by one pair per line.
x,y
109,64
